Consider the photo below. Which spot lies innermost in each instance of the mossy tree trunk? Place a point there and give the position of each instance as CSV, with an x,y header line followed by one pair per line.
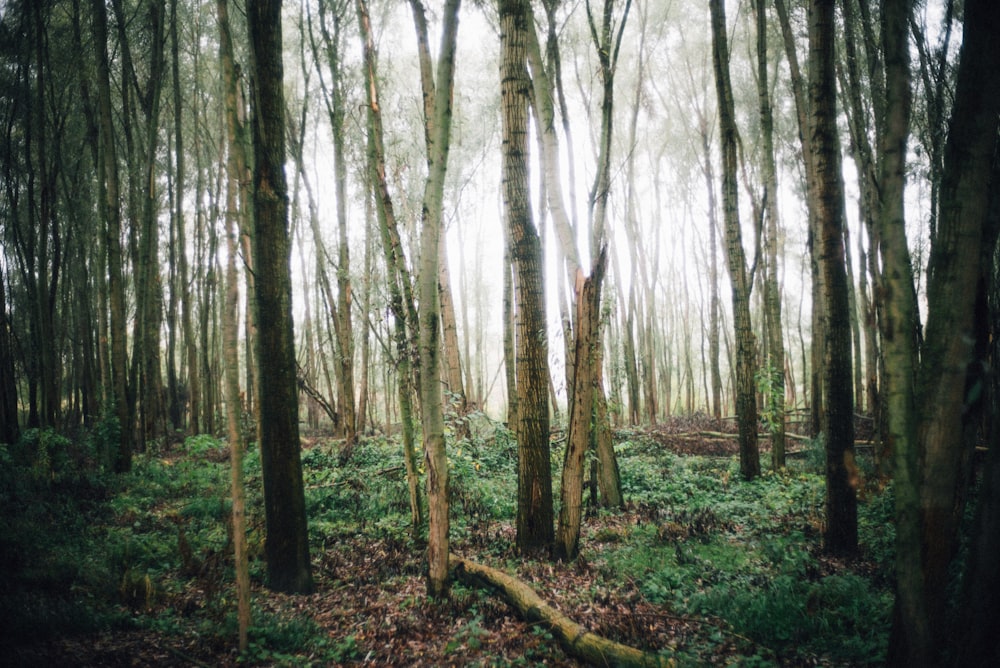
x,y
745,358
841,537
235,167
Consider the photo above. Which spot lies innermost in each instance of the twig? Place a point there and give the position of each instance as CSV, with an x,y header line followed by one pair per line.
x,y
190,659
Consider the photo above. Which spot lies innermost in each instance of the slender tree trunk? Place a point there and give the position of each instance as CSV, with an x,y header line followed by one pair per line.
x,y
609,483
772,289
438,125
366,310
175,169
286,545
400,287
150,300
509,333
910,641
868,207
746,400
815,386
111,211
586,339
235,167
336,103
449,330
9,428
607,43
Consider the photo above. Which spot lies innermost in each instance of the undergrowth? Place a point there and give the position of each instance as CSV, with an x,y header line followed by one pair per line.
x,y
89,551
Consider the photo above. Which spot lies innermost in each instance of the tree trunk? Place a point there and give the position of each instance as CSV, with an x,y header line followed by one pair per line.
x,y
586,340
344,329
449,331
235,166
609,482
607,43
772,290
910,640
149,286
111,212
944,399
438,126
178,250
746,400
400,287
815,386
9,428
534,488
287,544
841,536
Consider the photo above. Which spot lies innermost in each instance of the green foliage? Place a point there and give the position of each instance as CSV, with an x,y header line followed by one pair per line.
x,y
771,386
93,552
201,444
45,454
105,437
836,616
471,635
712,545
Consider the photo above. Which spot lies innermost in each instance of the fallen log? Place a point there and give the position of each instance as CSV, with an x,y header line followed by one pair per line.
x,y
574,638
725,435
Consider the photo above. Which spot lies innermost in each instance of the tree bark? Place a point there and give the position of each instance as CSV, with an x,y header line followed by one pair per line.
x,y
439,136
235,166
400,287
841,536
772,289
586,340
746,400
9,428
111,212
287,544
344,330
534,506
944,398
910,640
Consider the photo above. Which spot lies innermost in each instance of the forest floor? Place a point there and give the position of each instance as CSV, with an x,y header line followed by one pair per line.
x,y
150,582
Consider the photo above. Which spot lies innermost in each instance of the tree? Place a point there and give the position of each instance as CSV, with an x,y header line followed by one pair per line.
x,y
586,340
534,480
235,168
344,334
926,386
607,42
9,428
148,283
946,380
401,302
775,397
438,133
110,209
588,407
287,544
841,536
746,400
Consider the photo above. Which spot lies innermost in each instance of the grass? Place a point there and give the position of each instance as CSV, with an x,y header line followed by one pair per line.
x,y
89,551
